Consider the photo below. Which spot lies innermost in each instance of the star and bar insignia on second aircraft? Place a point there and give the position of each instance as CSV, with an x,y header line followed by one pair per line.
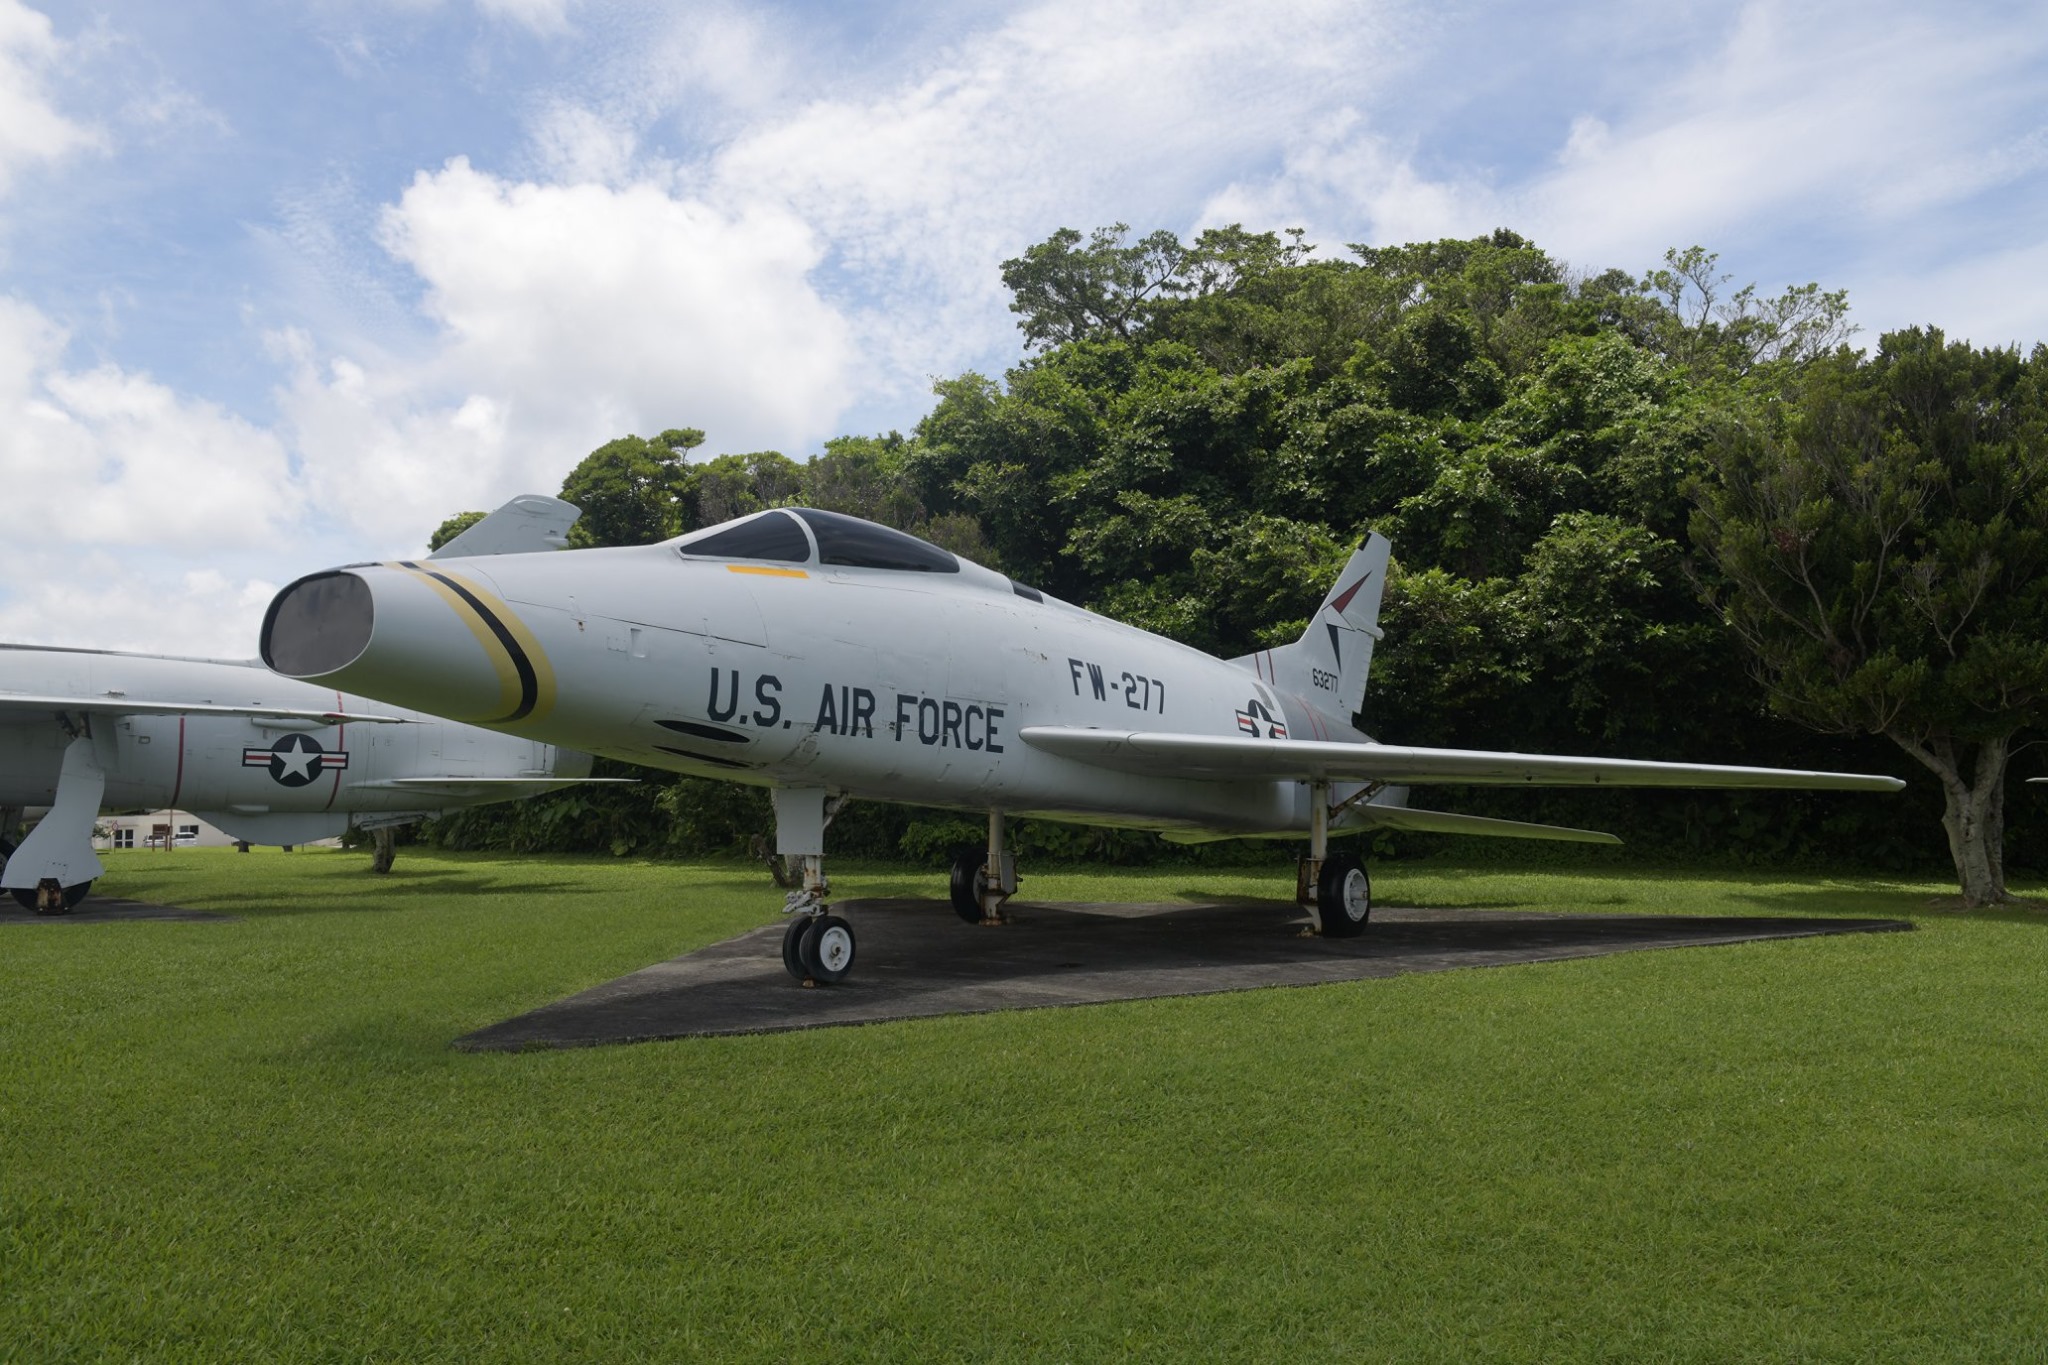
x,y
295,760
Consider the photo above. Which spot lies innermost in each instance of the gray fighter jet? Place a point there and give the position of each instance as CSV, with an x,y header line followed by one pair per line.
x,y
264,758
829,658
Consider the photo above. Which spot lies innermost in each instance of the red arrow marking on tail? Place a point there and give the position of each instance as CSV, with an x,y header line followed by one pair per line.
x,y
1343,599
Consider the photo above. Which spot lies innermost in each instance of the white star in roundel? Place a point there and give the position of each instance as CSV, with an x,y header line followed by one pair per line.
x,y
295,760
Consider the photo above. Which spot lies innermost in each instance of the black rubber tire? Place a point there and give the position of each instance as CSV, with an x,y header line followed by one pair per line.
x,y
970,879
792,943
26,898
1343,897
827,949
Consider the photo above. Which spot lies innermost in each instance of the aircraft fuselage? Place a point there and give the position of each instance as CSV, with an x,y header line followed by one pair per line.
x,y
878,683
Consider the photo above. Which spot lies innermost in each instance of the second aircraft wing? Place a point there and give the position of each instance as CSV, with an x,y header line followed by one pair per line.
x,y
23,704
1240,758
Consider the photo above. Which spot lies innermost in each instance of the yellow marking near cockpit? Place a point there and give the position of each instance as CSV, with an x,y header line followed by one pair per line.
x,y
766,572
526,682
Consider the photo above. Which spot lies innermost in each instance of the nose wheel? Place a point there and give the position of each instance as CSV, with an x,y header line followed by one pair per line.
x,y
818,950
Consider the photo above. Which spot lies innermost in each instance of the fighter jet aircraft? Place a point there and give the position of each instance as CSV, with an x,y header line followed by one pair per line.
x,y
266,759
829,658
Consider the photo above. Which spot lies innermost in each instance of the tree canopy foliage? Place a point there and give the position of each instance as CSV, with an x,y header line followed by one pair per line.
x,y
1882,532
1199,432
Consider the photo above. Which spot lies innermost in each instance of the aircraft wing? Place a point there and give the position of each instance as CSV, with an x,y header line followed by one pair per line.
x,y
1241,758
16,705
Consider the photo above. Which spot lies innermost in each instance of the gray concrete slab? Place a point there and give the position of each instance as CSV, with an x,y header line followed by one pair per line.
x,y
917,959
103,910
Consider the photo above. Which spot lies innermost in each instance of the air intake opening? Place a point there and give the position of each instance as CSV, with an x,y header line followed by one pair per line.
x,y
318,625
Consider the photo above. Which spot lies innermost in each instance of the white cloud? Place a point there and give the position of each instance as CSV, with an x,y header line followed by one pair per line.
x,y
567,314
106,457
577,145
1065,113
110,601
1835,122
31,128
724,218
1985,299
545,17
115,486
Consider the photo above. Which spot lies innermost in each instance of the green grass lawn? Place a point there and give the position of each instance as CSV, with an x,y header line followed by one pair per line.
x,y
251,1140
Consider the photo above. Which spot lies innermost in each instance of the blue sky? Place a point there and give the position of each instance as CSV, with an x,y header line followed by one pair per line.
x,y
285,284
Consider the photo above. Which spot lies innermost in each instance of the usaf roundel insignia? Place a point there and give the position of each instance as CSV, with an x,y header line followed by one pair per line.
x,y
295,760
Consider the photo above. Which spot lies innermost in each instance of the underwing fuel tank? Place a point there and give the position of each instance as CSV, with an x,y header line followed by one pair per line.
x,y
423,635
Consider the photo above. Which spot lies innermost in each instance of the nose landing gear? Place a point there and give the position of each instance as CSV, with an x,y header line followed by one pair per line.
x,y
818,950
818,946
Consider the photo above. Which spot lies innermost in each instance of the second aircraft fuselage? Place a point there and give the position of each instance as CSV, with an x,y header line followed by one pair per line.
x,y
225,763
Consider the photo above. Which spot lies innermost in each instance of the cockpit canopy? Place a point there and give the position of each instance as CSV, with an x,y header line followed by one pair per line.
x,y
794,535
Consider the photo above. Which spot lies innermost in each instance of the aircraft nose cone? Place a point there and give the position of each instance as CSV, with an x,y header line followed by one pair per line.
x,y
433,637
318,625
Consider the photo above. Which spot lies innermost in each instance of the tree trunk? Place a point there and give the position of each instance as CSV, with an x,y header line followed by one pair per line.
x,y
386,841
1973,812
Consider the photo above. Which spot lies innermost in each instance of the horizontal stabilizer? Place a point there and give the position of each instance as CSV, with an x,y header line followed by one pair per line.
x,y
14,706
1238,758
530,522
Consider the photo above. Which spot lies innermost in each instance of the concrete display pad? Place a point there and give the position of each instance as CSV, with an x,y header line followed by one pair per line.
x,y
917,959
102,910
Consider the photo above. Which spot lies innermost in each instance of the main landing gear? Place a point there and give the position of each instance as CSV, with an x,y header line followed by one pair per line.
x,y
818,946
54,867
49,897
983,881
1336,892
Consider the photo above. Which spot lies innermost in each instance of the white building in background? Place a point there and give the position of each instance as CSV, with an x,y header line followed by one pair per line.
x,y
156,829
168,829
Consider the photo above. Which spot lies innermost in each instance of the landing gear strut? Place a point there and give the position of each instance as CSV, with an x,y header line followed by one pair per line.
x,y
818,946
982,881
1337,892
54,867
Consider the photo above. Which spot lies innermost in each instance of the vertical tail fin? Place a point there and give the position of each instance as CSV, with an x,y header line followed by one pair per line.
x,y
1328,666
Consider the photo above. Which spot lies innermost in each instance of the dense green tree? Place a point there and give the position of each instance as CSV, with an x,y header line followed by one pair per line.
x,y
1883,540
731,486
629,489
452,528
1198,432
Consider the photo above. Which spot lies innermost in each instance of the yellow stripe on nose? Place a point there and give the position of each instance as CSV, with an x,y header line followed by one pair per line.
x,y
766,572
526,681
